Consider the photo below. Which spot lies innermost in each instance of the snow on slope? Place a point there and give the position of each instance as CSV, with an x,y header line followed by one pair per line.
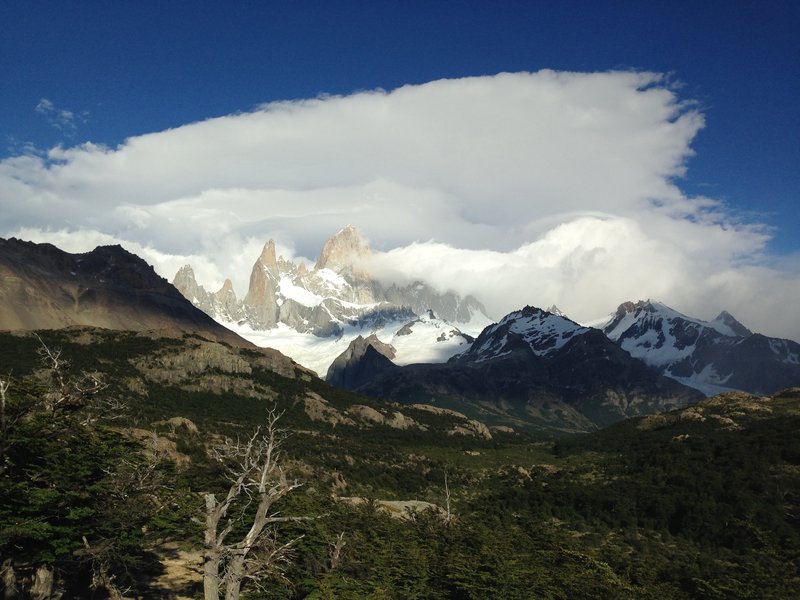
x,y
426,339
656,333
711,356
543,331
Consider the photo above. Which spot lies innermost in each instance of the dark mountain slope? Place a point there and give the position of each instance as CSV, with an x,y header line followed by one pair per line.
x,y
42,287
537,368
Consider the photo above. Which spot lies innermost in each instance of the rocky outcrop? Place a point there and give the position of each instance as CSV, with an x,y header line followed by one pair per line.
x,y
362,359
319,409
472,428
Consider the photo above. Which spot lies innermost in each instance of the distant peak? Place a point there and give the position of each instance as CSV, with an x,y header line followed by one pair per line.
x,y
226,288
726,319
268,257
184,279
554,310
345,252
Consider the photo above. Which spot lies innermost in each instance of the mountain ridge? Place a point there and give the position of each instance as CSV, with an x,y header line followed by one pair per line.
x,y
561,375
713,356
43,287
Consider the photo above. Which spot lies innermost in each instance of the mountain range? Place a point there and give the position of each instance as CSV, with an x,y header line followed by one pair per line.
x,y
312,313
701,501
533,367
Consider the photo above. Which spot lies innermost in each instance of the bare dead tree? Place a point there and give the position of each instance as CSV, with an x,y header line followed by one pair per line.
x,y
66,393
448,515
256,477
335,550
4,425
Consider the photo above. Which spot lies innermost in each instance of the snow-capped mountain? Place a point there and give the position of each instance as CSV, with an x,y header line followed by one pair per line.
x,y
313,313
542,331
712,356
533,366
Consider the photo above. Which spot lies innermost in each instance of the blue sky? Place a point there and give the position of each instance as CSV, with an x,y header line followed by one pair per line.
x,y
126,68
106,72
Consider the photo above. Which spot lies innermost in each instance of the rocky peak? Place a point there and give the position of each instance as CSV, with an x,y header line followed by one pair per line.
x,y
624,309
268,257
729,321
362,359
346,253
263,285
226,289
184,278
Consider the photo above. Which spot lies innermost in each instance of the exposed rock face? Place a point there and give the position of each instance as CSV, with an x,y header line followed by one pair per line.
x,y
472,428
533,366
42,287
319,409
336,293
710,355
261,309
346,253
363,358
222,303
421,298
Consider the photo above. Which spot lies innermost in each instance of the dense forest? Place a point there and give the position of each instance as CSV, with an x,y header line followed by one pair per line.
x,y
108,465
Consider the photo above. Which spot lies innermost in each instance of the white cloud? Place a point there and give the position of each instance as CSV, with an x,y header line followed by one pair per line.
x,y
62,119
521,188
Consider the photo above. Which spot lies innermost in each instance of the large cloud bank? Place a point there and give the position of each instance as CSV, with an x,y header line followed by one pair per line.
x,y
527,188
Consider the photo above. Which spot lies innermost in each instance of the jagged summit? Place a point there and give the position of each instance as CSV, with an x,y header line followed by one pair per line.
x,y
268,257
530,328
727,320
347,252
227,287
337,298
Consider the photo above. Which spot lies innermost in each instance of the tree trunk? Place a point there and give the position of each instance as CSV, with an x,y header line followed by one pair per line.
x,y
42,588
103,581
9,577
211,555
233,579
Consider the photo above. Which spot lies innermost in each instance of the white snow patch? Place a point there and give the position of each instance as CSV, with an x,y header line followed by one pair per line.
x,y
332,278
299,294
317,353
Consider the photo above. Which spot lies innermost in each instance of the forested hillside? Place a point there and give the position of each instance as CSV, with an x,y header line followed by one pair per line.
x,y
112,443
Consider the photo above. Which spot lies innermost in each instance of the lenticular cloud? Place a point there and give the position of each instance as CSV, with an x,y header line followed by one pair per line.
x,y
522,188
